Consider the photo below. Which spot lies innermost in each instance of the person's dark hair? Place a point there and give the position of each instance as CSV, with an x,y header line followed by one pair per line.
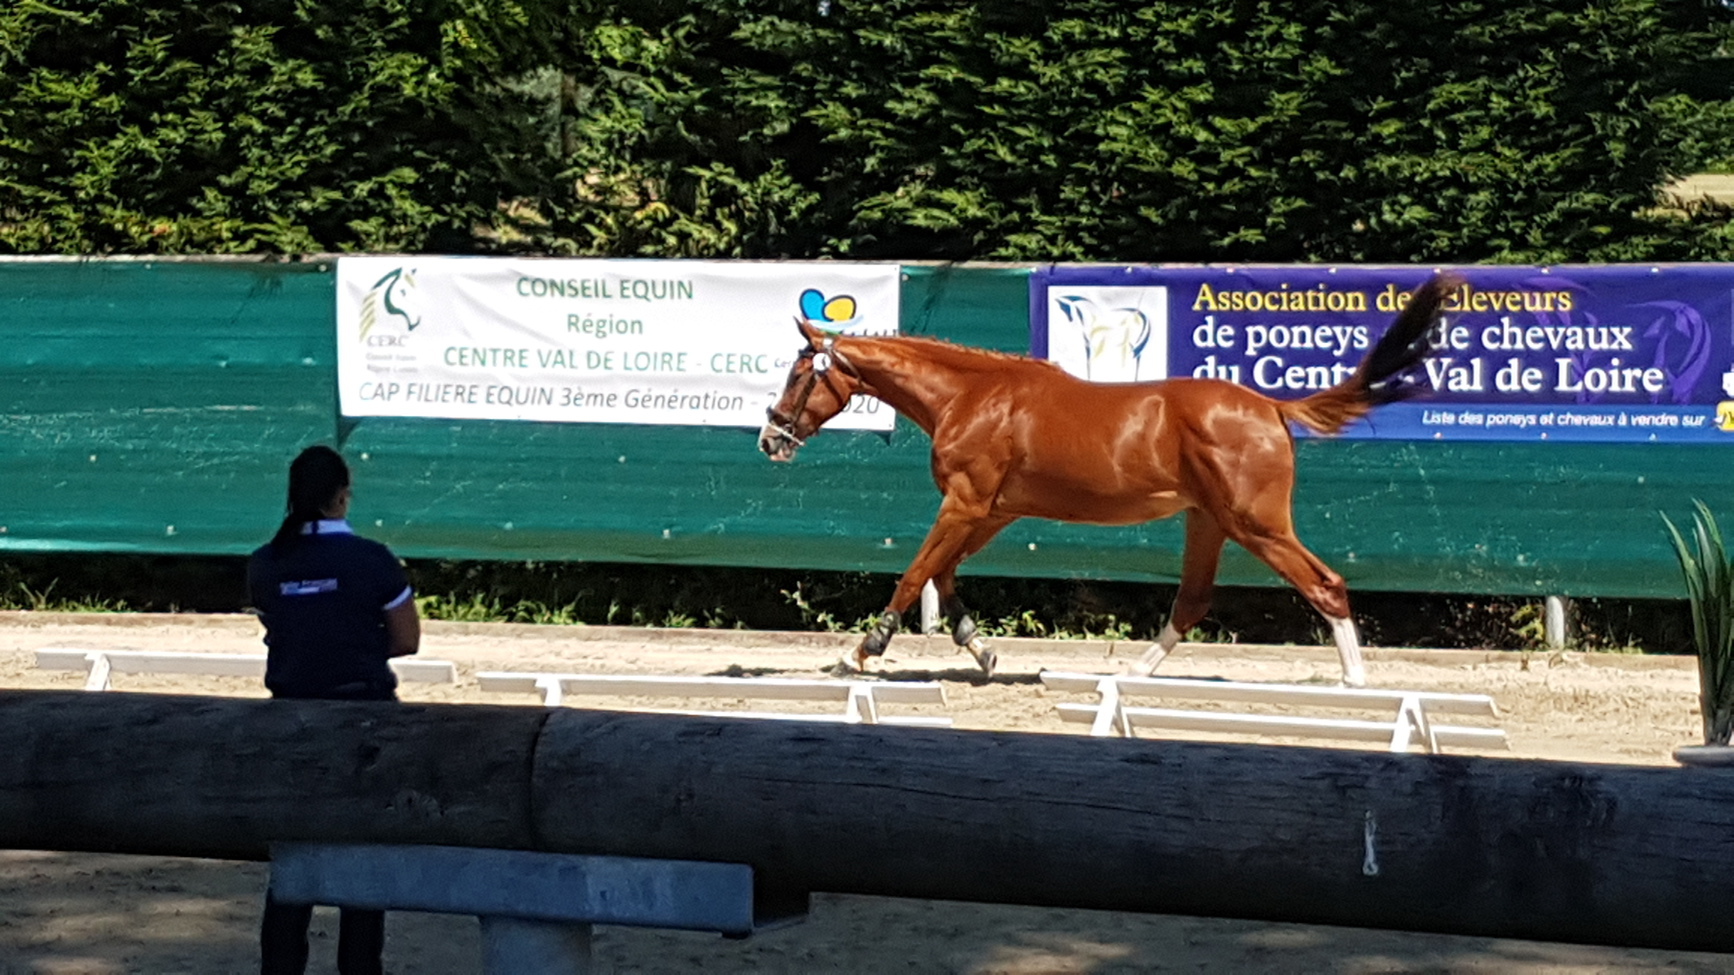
x,y
315,478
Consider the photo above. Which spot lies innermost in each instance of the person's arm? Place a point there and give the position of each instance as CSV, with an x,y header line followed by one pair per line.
x,y
402,629
256,587
402,622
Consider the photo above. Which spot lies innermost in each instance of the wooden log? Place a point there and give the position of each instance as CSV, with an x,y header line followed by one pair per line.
x,y
1596,854
222,777
1494,847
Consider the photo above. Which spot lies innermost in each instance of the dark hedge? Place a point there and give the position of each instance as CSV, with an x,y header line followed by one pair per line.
x,y
1067,130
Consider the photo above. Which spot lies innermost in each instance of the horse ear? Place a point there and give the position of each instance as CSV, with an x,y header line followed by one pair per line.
x,y
812,332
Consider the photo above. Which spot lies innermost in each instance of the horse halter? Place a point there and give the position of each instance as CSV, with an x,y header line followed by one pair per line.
x,y
823,359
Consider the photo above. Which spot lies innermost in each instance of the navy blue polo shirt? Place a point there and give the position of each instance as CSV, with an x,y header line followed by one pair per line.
x,y
323,603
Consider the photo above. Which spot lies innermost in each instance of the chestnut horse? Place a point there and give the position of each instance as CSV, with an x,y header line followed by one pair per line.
x,y
1015,437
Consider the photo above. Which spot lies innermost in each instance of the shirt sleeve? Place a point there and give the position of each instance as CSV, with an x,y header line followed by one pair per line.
x,y
394,589
257,583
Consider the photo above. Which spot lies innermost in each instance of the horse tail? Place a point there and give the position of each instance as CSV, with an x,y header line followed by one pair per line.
x,y
1389,373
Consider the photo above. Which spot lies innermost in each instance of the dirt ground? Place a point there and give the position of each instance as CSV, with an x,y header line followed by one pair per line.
x,y
84,914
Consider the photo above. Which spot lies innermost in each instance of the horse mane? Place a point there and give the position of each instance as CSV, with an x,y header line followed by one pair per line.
x,y
960,355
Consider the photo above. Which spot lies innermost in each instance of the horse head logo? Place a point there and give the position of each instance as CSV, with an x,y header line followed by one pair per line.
x,y
393,296
1114,339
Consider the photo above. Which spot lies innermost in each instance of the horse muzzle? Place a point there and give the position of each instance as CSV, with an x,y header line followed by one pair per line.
x,y
777,444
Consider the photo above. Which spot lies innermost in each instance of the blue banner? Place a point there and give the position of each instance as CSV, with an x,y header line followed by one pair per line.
x,y
1578,353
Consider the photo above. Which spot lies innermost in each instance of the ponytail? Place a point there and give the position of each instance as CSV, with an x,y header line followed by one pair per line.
x,y
315,478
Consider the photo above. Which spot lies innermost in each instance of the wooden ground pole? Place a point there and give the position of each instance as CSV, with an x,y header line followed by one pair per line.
x,y
1598,854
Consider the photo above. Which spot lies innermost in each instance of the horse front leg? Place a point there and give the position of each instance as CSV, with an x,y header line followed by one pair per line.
x,y
947,538
964,633
1204,539
957,617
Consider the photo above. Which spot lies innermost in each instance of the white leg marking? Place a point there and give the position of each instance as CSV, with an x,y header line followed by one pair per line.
x,y
851,662
1164,645
984,656
1348,648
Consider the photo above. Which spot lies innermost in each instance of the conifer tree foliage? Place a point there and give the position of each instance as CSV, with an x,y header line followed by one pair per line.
x,y
1042,130
162,126
1148,131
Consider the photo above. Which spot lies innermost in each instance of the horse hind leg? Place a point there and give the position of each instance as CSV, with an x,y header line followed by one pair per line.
x,y
1322,587
1333,604
1348,643
1204,539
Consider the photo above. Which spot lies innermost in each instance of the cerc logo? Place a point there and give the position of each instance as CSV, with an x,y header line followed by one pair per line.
x,y
393,302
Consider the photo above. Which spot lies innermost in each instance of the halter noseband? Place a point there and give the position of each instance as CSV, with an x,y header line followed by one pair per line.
x,y
823,359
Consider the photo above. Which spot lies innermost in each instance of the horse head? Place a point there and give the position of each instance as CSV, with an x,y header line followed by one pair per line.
x,y
821,381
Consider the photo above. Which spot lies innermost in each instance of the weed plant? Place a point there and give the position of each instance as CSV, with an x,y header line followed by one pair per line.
x,y
575,593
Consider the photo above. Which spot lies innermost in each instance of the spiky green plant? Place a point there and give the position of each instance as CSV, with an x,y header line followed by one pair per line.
x,y
1710,588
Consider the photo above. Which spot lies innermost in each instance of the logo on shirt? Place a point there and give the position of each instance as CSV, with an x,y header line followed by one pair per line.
x,y
307,587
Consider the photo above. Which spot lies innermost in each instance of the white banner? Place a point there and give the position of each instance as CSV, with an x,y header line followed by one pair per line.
x,y
593,341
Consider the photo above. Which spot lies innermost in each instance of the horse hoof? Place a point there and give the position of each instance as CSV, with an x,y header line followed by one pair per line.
x,y
984,656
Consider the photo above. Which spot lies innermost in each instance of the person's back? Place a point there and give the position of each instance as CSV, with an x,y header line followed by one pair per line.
x,y
336,608
322,596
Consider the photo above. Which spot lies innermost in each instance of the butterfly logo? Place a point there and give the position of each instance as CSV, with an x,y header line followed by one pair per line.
x,y
835,314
